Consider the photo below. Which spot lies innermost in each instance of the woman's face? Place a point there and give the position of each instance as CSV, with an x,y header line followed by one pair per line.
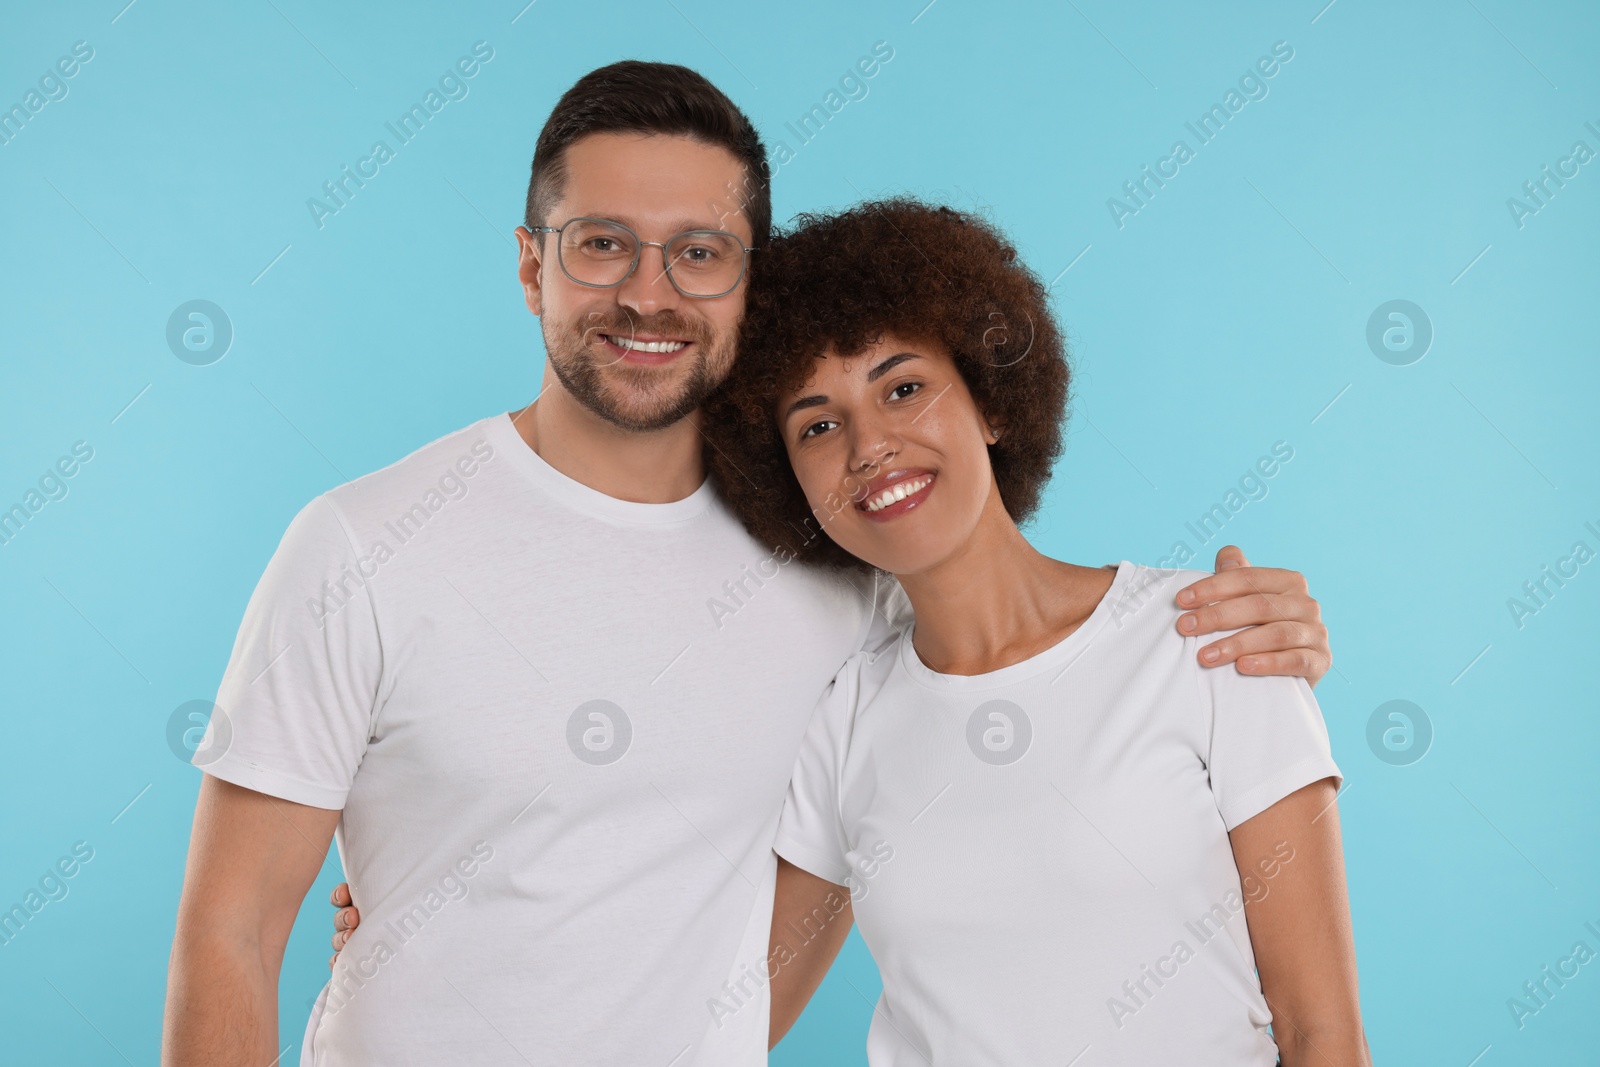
x,y
892,453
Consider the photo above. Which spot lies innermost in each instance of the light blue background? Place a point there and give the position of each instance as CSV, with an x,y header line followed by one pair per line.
x,y
1226,315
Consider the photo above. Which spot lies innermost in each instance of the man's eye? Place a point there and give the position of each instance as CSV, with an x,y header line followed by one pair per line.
x,y
904,389
817,427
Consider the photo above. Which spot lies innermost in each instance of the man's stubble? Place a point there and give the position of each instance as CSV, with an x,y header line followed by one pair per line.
x,y
640,398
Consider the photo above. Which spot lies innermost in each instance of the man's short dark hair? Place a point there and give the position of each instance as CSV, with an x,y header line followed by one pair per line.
x,y
634,96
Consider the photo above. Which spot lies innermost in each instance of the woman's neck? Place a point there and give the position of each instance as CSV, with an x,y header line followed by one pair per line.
x,y
998,600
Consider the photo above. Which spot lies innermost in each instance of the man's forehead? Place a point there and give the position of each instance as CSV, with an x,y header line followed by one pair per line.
x,y
655,181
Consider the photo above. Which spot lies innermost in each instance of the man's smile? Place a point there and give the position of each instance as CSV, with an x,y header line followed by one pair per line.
x,y
640,349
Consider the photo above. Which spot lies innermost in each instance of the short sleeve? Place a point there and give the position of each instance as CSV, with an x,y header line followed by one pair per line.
x,y
296,703
1265,737
810,833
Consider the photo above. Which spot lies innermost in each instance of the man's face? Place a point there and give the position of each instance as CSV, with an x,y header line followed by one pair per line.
x,y
659,186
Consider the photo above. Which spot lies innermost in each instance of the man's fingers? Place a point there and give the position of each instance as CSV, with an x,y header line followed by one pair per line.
x,y
1302,662
1256,609
1262,640
1295,649
1279,622
1229,557
1241,581
340,897
346,919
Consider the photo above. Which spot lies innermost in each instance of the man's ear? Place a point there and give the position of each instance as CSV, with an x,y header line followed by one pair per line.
x,y
530,260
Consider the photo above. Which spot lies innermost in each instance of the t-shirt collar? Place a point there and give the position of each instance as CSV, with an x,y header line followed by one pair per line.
x,y
588,500
1055,659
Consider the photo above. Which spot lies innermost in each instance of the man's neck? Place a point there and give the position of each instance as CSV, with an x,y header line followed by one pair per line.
x,y
655,467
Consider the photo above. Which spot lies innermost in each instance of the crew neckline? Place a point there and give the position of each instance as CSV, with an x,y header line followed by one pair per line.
x,y
588,500
1057,657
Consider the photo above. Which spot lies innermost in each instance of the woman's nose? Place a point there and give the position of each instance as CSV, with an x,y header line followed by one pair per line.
x,y
872,446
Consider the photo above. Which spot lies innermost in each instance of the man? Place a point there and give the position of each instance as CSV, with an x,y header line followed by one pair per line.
x,y
498,671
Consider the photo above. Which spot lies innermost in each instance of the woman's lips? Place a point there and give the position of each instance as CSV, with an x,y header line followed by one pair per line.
x,y
915,487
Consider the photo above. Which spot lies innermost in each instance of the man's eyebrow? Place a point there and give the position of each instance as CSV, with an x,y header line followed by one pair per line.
x,y
676,226
890,364
804,402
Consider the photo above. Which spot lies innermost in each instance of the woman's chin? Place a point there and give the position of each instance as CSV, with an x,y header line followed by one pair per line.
x,y
899,557
909,542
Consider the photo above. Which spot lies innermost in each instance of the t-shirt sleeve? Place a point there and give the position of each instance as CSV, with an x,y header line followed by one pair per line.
x,y
1265,737
810,832
296,703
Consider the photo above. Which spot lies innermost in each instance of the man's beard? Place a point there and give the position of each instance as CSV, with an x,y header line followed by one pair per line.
x,y
640,398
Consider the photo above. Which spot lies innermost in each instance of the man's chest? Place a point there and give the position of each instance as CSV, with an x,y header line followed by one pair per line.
x,y
560,664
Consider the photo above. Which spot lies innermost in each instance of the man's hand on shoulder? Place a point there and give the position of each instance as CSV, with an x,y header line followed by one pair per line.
x,y
1284,632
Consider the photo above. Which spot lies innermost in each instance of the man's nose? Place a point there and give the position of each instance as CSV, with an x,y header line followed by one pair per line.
x,y
648,289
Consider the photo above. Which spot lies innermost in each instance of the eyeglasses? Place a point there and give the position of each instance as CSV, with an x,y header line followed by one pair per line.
x,y
602,254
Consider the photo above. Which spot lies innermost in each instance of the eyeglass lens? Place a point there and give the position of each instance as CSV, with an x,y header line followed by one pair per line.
x,y
701,262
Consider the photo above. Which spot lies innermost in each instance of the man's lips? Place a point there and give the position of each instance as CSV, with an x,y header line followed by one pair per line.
x,y
644,348
895,493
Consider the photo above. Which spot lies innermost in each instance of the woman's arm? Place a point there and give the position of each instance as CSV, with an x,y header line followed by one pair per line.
x,y
810,918
1291,867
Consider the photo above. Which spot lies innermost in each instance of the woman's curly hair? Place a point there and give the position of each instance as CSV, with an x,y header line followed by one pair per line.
x,y
900,266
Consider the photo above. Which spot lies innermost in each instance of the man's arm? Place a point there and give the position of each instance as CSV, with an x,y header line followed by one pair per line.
x,y
251,859
1285,635
1291,867
802,901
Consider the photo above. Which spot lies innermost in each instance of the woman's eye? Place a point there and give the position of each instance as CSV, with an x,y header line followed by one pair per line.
x,y
904,389
816,428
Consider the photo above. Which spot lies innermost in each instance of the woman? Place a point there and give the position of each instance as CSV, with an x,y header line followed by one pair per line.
x,y
1064,840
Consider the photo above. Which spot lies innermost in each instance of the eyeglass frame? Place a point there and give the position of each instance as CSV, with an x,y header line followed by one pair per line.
x,y
638,253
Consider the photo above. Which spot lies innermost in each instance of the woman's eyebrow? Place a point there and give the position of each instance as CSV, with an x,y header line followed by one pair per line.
x,y
804,402
872,375
890,364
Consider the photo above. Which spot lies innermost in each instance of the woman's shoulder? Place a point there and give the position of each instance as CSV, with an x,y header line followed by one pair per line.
x,y
1146,597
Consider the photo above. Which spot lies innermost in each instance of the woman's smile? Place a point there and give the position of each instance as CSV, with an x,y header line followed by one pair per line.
x,y
895,493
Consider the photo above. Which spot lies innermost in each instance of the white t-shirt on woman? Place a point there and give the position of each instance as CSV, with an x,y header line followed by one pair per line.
x,y
1039,856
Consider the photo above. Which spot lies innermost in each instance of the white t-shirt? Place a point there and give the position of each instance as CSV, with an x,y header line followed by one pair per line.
x,y
1039,856
560,727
